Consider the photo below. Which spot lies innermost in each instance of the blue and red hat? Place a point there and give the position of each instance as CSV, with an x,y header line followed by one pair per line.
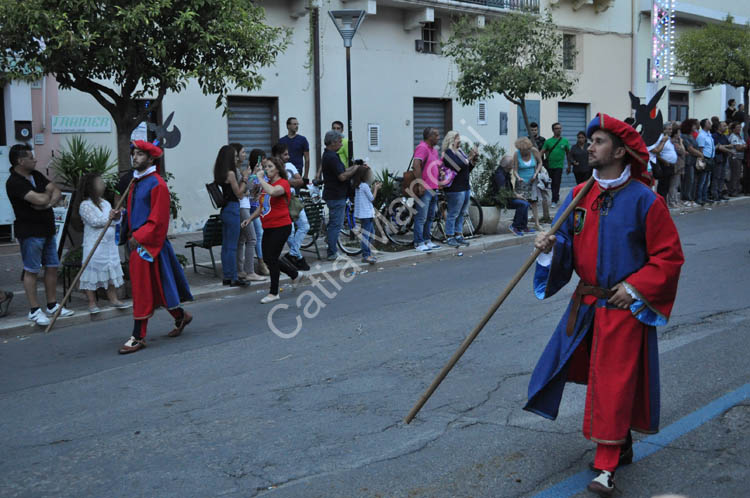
x,y
634,144
152,149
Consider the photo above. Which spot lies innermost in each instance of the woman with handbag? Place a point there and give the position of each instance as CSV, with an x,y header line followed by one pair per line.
x,y
532,179
277,223
226,176
455,172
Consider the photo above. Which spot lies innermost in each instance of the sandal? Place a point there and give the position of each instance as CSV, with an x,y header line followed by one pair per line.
x,y
5,303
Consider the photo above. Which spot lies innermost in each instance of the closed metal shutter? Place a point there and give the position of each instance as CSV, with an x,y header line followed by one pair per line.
x,y
572,117
432,113
253,123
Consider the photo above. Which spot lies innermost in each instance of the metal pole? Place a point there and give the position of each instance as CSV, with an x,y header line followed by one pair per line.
x,y
349,102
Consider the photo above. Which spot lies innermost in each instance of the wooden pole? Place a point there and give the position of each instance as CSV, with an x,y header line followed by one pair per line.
x,y
474,333
88,258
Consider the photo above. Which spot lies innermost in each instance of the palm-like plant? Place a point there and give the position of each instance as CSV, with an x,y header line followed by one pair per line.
x,y
80,158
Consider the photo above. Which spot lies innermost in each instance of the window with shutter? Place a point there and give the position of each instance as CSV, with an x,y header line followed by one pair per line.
x,y
373,132
482,113
503,123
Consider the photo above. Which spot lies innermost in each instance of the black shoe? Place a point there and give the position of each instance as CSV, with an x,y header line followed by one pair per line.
x,y
626,454
302,264
226,282
239,283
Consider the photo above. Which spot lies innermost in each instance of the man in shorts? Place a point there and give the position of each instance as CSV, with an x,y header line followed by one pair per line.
x,y
32,196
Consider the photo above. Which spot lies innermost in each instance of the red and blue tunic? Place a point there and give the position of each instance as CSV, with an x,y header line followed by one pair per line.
x,y
627,235
155,273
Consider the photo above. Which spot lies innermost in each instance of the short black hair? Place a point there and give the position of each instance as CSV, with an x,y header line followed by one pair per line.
x,y
703,122
533,124
278,149
427,131
731,101
581,133
337,123
17,152
289,120
556,124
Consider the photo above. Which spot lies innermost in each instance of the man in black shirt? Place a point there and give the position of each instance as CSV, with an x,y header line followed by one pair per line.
x,y
579,156
32,197
536,139
335,188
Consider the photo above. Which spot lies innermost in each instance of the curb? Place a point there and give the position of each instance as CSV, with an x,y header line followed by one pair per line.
x,y
22,327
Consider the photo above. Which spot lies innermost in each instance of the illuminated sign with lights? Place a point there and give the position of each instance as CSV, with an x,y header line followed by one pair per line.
x,y
662,40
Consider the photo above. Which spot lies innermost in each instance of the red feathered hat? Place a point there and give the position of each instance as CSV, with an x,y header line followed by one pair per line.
x,y
634,144
153,150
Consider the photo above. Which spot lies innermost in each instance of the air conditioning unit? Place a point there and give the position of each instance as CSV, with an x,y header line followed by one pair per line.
x,y
419,46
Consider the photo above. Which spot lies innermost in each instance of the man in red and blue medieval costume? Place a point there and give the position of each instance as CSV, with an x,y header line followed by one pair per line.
x,y
155,273
624,246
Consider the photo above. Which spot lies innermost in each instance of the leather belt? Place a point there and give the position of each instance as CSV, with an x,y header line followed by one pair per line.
x,y
584,290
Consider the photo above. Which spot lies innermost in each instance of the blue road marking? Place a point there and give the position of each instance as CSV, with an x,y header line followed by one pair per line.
x,y
651,444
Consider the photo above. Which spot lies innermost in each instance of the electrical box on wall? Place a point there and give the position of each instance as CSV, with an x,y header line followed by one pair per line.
x,y
23,130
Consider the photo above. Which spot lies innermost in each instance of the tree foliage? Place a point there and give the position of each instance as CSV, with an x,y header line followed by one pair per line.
x,y
122,51
515,55
716,54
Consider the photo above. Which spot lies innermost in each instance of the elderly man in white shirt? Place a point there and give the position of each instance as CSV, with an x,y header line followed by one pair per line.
x,y
663,150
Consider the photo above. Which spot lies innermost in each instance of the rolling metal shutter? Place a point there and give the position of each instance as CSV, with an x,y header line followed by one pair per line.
x,y
430,112
572,117
253,123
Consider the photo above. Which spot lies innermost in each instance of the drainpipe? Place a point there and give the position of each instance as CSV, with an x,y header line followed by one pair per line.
x,y
316,86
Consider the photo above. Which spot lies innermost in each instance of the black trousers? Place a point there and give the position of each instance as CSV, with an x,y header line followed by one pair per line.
x,y
273,243
556,175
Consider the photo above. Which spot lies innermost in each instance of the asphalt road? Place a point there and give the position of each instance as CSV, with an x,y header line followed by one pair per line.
x,y
231,409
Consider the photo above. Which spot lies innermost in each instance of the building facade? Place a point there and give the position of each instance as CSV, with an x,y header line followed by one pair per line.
x,y
400,84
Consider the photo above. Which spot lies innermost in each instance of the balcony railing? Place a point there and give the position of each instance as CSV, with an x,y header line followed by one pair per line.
x,y
520,5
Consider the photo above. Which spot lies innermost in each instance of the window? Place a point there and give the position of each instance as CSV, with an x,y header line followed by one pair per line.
x,y
482,113
569,51
431,37
679,105
373,137
503,123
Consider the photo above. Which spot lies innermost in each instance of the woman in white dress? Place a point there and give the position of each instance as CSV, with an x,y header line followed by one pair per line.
x,y
104,269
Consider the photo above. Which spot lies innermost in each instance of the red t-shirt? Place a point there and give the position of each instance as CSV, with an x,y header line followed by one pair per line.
x,y
275,210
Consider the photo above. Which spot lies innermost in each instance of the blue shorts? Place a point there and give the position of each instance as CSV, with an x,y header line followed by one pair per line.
x,y
37,252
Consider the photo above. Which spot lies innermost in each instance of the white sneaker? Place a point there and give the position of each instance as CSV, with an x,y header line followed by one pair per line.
x,y
64,312
432,245
270,298
422,248
603,484
39,317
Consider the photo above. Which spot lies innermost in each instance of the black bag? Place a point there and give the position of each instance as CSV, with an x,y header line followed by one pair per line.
x,y
216,195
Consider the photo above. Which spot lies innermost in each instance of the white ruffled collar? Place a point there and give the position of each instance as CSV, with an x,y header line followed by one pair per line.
x,y
617,182
138,175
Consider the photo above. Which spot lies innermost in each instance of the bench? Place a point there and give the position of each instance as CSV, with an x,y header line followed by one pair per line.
x,y
211,238
314,212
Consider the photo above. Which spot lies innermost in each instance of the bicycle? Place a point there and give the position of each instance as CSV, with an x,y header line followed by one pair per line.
x,y
397,215
472,221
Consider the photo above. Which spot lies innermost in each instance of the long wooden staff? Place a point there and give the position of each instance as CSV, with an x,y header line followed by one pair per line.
x,y
88,258
474,333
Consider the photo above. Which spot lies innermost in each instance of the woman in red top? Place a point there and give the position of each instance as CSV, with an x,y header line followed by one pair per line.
x,y
277,224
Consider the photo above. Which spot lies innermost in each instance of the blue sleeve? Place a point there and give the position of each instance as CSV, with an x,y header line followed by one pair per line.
x,y
305,145
550,279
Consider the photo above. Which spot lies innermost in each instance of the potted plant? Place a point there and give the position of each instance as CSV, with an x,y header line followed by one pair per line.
x,y
482,186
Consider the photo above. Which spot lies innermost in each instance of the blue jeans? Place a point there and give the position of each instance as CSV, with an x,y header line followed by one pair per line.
x,y
704,178
423,219
336,211
521,218
458,206
230,236
367,231
258,238
37,252
299,230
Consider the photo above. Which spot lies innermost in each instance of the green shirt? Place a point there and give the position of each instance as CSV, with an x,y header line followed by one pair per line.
x,y
557,156
343,152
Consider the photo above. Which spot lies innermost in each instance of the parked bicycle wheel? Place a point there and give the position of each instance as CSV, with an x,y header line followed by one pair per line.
x,y
473,220
437,230
349,241
397,221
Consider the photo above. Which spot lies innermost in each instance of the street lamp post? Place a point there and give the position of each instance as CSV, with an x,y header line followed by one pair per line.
x,y
347,22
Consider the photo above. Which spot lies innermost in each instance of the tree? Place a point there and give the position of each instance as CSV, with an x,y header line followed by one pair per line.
x,y
123,51
515,55
716,54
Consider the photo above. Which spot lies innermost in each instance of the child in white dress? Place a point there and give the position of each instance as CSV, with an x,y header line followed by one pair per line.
x,y
104,269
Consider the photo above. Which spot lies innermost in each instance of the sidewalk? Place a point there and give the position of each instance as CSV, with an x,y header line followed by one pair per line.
x,y
204,285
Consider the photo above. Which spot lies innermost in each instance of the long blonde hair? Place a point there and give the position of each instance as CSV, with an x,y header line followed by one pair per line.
x,y
450,137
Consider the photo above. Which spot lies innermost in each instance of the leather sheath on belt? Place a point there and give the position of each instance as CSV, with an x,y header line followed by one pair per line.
x,y
584,290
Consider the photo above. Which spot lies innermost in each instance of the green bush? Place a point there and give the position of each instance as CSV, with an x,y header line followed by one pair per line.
x,y
80,158
481,176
